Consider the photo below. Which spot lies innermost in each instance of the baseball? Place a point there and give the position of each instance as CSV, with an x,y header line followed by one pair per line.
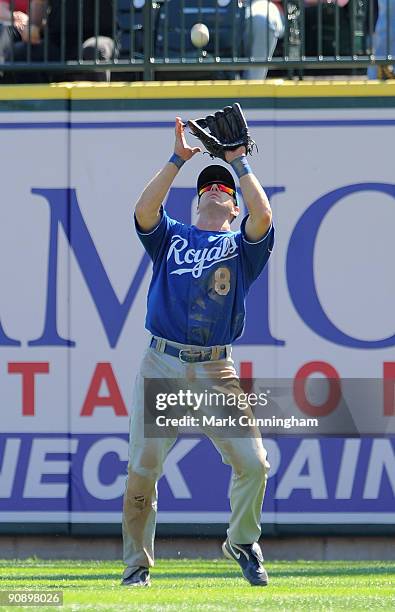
x,y
200,35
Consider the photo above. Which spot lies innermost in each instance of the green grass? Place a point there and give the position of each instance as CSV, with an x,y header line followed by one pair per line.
x,y
189,585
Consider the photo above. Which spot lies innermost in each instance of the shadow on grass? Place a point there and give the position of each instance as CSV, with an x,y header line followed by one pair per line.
x,y
369,570
118,576
61,577
228,574
234,572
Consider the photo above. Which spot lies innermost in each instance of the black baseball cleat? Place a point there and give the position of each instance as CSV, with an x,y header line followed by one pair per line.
x,y
250,559
139,578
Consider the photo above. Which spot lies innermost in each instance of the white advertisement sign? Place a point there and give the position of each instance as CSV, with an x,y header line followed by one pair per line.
x,y
74,281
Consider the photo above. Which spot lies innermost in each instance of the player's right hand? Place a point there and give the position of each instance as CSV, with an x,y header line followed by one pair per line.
x,y
181,146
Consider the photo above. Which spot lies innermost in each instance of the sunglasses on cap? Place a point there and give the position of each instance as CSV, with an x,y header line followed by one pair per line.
x,y
220,186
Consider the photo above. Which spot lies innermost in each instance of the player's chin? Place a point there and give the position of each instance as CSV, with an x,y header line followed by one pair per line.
x,y
225,206
211,204
218,201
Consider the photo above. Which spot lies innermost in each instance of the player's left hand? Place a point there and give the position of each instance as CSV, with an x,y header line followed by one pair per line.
x,y
181,146
231,155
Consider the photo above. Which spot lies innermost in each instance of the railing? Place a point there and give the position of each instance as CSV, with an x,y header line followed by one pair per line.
x,y
153,38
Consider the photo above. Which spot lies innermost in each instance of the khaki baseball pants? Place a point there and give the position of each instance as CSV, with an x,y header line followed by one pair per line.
x,y
246,456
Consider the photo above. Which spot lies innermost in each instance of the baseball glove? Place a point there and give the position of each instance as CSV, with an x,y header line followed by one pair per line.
x,y
228,130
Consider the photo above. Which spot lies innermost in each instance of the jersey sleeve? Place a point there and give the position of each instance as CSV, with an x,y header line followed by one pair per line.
x,y
155,240
254,254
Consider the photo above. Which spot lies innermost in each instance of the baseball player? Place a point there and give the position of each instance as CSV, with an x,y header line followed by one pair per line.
x,y
196,309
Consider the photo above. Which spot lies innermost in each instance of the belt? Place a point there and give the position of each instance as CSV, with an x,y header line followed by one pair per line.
x,y
210,353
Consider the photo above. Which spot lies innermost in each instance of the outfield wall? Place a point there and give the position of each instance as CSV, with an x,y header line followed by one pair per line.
x,y
74,282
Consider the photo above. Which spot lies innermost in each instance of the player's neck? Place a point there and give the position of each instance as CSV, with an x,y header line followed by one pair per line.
x,y
214,223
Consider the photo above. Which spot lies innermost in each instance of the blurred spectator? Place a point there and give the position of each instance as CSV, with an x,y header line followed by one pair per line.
x,y
265,24
352,37
269,21
55,41
327,14
384,41
12,25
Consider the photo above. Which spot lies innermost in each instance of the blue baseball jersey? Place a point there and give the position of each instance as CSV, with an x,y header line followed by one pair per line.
x,y
200,280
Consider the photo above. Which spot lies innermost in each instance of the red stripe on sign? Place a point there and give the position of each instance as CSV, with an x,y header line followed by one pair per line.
x,y
246,376
334,395
389,388
28,371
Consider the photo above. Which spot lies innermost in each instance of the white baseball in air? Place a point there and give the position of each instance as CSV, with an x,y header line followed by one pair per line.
x,y
200,35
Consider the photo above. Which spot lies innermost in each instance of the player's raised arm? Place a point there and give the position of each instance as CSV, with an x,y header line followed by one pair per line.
x,y
254,196
226,135
150,201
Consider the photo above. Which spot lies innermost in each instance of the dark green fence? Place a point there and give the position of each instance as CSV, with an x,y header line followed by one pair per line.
x,y
152,39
